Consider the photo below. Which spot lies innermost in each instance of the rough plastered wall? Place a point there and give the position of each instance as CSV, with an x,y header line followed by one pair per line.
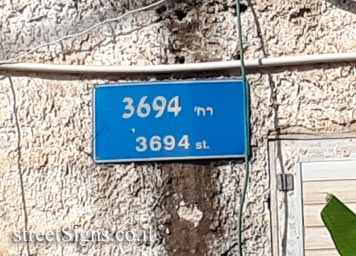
x,y
192,208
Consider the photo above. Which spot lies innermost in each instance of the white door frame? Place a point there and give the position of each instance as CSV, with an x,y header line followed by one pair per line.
x,y
295,150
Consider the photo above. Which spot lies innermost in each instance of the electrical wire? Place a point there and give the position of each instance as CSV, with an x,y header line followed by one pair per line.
x,y
19,156
246,130
261,63
83,32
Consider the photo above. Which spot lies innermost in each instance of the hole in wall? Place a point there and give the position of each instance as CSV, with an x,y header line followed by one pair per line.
x,y
236,56
300,13
243,8
180,14
161,9
180,59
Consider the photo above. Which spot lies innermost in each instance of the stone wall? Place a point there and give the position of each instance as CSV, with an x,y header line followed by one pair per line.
x,y
192,207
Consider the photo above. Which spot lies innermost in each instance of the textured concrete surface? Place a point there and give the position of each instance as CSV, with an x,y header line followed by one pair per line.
x,y
63,187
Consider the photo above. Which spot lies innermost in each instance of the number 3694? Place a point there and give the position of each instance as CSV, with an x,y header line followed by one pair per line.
x,y
159,105
157,143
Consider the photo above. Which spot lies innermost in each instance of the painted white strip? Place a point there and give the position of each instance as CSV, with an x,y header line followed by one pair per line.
x,y
329,170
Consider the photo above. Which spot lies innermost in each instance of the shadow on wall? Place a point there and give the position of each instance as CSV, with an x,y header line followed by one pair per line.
x,y
346,5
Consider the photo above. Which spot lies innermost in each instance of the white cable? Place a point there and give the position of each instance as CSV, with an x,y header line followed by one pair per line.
x,y
193,67
83,32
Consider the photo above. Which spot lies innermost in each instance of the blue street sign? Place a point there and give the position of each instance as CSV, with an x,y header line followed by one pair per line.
x,y
168,120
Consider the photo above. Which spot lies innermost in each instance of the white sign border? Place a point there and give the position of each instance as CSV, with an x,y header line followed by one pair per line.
x,y
117,84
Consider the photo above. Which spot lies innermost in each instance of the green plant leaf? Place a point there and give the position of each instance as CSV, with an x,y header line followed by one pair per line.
x,y
341,223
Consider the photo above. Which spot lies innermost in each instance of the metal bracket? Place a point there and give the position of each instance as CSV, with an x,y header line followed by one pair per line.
x,y
285,182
